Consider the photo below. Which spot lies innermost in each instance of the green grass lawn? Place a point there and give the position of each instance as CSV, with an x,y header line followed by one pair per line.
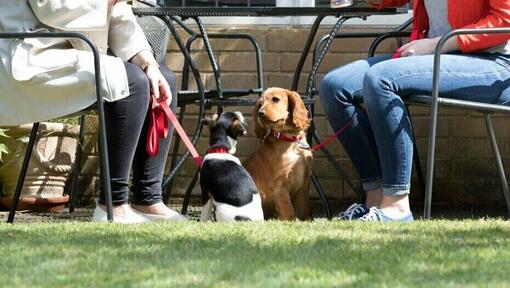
x,y
271,254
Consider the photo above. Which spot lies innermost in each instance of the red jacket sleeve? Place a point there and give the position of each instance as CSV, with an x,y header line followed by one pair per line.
x,y
499,16
389,3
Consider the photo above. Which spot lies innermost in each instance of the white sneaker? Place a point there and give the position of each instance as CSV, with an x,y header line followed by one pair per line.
x,y
172,216
129,217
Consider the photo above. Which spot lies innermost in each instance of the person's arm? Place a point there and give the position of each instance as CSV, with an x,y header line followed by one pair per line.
x,y
127,40
427,46
125,37
498,17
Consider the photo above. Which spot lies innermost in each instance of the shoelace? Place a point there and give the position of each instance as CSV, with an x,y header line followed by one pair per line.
x,y
373,214
351,211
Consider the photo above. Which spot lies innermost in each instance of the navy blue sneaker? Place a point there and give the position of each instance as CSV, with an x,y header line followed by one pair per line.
x,y
377,215
354,212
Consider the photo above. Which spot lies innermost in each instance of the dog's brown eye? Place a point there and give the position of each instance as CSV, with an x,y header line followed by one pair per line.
x,y
275,100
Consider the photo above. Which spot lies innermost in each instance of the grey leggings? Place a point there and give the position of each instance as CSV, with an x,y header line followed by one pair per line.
x,y
127,123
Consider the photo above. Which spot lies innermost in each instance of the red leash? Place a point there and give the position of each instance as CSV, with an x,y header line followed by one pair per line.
x,y
160,114
334,136
297,139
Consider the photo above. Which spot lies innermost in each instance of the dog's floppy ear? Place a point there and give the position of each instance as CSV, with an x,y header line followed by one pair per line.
x,y
260,131
239,124
298,111
211,120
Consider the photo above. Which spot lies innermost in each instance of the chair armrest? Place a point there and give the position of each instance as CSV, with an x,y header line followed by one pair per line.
x,y
439,48
397,33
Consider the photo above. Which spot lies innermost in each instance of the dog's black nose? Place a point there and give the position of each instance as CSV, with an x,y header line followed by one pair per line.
x,y
261,113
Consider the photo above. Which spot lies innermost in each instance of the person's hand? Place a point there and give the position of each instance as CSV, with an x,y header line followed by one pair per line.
x,y
159,86
418,47
427,47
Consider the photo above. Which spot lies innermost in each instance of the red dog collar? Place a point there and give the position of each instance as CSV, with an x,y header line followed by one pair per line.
x,y
218,150
283,137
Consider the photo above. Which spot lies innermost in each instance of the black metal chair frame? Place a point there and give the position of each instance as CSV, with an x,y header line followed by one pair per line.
x,y
219,98
103,149
308,100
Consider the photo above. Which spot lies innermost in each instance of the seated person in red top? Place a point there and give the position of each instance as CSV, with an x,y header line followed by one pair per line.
x,y
379,141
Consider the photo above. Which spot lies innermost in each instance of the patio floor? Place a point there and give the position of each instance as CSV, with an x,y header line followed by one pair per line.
x,y
441,211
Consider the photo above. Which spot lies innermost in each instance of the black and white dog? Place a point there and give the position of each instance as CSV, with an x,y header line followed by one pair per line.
x,y
228,191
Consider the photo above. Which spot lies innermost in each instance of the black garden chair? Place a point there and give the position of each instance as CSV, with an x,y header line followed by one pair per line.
x,y
105,172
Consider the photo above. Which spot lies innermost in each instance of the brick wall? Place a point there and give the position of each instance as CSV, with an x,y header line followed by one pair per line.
x,y
465,170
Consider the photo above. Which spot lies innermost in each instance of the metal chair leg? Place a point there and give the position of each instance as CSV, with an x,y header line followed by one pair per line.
x,y
77,165
23,173
322,196
416,157
187,196
499,163
430,161
419,170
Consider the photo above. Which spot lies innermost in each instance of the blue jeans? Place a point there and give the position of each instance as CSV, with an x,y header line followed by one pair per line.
x,y
379,141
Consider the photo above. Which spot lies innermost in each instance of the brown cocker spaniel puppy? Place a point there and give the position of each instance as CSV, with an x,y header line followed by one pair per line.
x,y
282,165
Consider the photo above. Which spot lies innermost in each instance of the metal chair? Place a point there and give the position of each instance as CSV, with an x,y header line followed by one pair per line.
x,y
434,101
486,109
105,172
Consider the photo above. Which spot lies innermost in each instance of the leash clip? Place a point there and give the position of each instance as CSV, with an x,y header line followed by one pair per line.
x,y
277,134
303,145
